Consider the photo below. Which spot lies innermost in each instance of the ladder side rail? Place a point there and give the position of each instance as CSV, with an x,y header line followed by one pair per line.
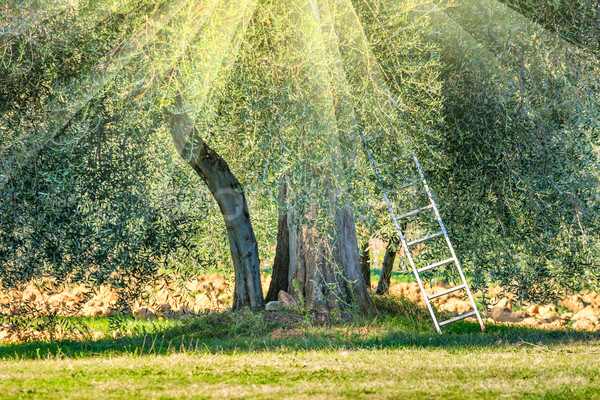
x,y
412,264
450,247
402,239
405,245
364,139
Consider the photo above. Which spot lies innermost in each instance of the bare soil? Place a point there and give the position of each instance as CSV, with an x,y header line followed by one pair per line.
x,y
214,292
578,311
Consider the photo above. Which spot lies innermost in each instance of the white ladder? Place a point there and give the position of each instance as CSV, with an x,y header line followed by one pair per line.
x,y
406,245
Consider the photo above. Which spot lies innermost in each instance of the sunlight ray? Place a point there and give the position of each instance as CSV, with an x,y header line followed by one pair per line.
x,y
224,27
360,60
221,39
73,100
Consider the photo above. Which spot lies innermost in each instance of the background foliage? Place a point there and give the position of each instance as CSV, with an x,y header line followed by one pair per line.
x,y
502,113
99,198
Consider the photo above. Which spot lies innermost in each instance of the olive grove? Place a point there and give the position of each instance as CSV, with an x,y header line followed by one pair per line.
x,y
105,106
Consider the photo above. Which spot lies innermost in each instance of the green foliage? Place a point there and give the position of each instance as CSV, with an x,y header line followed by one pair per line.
x,y
519,176
502,113
89,188
574,20
408,77
507,142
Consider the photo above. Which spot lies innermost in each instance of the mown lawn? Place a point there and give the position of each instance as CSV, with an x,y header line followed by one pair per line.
x,y
288,355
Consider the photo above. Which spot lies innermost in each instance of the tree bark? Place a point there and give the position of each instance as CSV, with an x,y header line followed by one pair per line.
x,y
323,277
346,254
365,263
281,263
383,287
230,197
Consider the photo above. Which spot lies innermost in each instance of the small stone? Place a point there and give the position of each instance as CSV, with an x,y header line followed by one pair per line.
x,y
109,312
531,321
145,313
501,314
164,308
586,314
286,299
567,316
583,325
273,306
553,322
444,285
505,303
203,300
548,311
533,309
574,303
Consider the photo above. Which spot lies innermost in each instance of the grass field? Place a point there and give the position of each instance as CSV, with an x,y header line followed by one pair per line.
x,y
287,355
565,371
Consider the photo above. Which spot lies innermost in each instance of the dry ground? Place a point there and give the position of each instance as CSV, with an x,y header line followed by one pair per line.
x,y
213,292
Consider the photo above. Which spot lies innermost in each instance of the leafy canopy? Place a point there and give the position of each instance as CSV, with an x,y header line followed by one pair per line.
x,y
502,113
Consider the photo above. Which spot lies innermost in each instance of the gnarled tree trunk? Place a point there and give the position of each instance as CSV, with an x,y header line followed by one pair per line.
x,y
325,277
228,193
281,263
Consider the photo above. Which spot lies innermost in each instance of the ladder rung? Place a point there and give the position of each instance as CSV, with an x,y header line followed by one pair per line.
x,y
412,183
408,214
374,137
393,159
445,292
437,264
463,316
440,233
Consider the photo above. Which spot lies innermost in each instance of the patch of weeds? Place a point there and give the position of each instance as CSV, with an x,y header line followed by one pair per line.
x,y
286,318
400,314
399,306
240,323
50,327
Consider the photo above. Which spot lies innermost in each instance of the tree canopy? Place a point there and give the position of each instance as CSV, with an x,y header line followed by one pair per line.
x,y
502,111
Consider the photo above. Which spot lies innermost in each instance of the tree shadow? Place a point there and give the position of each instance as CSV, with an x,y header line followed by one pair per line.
x,y
247,331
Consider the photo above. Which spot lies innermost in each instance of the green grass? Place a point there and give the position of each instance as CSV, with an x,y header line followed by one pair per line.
x,y
397,275
287,355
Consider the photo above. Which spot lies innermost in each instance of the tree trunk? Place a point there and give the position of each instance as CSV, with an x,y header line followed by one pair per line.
x,y
365,263
281,263
230,197
323,277
346,254
383,286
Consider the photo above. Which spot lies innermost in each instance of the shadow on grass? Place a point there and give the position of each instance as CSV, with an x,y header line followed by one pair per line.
x,y
399,326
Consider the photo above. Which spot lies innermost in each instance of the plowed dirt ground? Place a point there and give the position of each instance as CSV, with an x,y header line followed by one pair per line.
x,y
214,292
